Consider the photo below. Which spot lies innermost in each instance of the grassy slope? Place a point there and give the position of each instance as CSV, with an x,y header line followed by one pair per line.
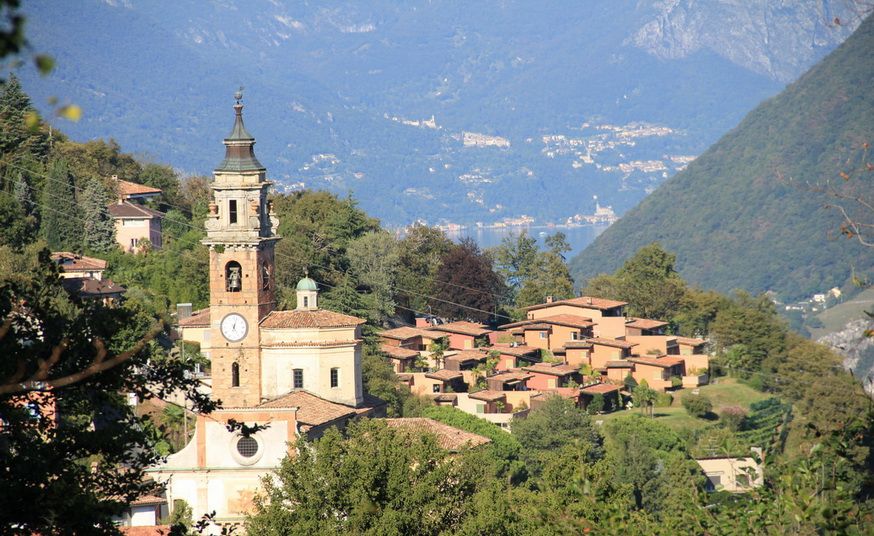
x,y
734,218
728,392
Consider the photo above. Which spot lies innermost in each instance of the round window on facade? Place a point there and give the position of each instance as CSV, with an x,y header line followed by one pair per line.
x,y
247,447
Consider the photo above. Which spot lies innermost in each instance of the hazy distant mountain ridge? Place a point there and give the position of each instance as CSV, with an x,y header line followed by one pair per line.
x,y
742,215
776,40
334,91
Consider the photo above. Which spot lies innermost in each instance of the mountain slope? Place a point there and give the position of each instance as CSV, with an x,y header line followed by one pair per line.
x,y
334,90
741,215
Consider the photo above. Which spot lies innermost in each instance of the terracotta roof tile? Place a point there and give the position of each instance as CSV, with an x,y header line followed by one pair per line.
x,y
73,262
645,323
518,351
587,302
663,362
154,530
444,375
600,389
132,210
564,392
319,318
312,410
688,341
577,344
510,376
198,319
397,352
404,333
88,287
620,363
463,328
467,355
573,321
148,499
127,189
488,396
553,369
615,343
448,437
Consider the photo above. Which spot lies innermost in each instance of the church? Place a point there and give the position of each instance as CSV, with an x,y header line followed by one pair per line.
x,y
295,373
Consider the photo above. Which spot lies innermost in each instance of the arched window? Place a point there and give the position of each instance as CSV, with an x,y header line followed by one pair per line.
x,y
235,375
265,276
233,277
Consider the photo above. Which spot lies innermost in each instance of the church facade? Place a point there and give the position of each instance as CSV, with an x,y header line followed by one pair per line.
x,y
293,373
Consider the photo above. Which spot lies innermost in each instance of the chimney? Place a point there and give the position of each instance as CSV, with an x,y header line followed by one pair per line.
x,y
549,299
183,311
589,300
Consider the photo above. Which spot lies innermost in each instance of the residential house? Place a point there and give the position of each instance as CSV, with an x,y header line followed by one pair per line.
x,y
75,266
464,335
607,316
658,371
733,474
512,357
552,376
464,360
448,437
604,350
551,332
134,224
402,359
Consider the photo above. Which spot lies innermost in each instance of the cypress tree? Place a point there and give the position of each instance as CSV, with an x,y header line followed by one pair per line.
x,y
61,222
98,227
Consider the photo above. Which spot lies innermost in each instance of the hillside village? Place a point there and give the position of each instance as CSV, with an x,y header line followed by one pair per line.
x,y
187,355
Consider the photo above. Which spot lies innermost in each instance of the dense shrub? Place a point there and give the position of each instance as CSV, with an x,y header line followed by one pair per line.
x,y
664,400
697,405
732,417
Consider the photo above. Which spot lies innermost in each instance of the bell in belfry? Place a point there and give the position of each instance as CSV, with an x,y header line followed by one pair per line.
x,y
234,279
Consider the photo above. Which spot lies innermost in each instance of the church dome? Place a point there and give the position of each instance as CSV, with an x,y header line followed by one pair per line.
x,y
307,284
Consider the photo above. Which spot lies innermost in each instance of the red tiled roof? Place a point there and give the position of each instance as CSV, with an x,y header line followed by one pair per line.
x,y
663,362
577,344
687,341
448,437
553,369
132,210
127,189
615,343
584,301
198,319
621,363
404,333
148,499
517,351
572,321
600,389
488,396
312,410
462,328
88,287
444,375
155,530
564,392
644,323
313,344
397,352
467,355
318,318
510,376
73,262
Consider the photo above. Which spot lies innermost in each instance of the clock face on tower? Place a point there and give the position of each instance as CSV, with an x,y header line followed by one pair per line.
x,y
234,327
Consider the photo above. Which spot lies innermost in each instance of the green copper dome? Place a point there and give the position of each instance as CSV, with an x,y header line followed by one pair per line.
x,y
307,284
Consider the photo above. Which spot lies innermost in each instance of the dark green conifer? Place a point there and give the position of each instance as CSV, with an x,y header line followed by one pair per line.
x,y
98,227
61,220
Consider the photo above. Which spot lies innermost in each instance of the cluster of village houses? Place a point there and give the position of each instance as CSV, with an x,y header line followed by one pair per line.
x,y
581,349
292,374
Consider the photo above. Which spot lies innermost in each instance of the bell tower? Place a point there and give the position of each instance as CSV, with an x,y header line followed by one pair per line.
x,y
241,236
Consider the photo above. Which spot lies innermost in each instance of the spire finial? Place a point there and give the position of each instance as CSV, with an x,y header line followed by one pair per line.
x,y
306,272
238,96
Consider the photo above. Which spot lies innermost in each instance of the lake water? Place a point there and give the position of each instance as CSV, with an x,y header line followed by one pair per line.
x,y
577,237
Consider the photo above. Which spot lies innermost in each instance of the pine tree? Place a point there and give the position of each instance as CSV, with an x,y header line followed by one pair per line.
x,y
61,222
17,134
98,227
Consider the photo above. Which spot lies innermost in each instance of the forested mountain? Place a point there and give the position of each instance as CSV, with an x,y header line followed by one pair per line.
x,y
598,98
747,213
